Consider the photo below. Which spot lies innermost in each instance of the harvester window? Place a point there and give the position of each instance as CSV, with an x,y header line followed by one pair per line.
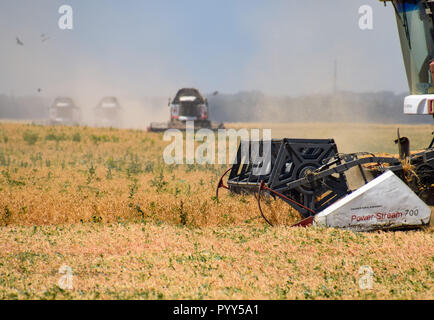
x,y
415,24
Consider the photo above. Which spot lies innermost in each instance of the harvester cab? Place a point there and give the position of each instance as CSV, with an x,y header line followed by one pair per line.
x,y
188,105
64,111
311,175
108,113
416,33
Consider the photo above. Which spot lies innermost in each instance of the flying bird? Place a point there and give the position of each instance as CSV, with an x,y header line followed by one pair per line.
x,y
44,37
19,42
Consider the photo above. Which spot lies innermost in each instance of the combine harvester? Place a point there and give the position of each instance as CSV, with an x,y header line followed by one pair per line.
x,y
188,105
108,113
64,111
311,175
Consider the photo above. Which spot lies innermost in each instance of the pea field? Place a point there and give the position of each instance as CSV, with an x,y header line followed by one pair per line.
x,y
129,226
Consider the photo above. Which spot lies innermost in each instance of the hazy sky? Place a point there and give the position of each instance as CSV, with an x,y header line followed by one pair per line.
x,y
143,47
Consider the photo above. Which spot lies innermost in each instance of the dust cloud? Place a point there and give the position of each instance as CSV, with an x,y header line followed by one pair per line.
x,y
290,55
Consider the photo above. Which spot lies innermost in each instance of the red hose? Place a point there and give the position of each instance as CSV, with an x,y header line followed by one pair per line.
x,y
221,184
264,187
303,223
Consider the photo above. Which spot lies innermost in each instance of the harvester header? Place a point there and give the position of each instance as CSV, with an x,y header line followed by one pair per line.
x,y
312,177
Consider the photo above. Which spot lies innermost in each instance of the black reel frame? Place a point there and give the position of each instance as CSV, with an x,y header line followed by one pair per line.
x,y
309,174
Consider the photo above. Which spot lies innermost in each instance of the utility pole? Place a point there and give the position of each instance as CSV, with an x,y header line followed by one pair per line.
x,y
335,77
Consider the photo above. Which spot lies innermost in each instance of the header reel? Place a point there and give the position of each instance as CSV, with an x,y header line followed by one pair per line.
x,y
310,174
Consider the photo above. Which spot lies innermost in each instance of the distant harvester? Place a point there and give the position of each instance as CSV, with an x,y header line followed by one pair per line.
x,y
188,105
64,111
108,113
